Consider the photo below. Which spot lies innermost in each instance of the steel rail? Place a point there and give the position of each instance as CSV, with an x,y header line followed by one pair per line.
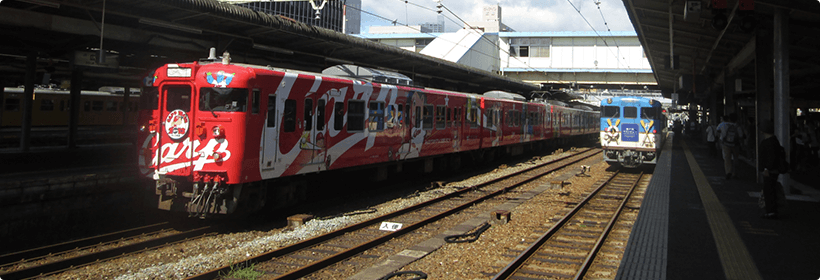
x,y
305,270
36,253
600,242
79,261
511,268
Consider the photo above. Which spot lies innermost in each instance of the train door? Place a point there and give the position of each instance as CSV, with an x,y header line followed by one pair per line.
x,y
315,128
174,130
270,135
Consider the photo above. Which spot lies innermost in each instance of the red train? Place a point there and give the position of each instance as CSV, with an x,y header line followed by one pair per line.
x,y
220,138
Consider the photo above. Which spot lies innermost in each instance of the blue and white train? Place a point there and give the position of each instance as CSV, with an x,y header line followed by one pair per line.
x,y
633,130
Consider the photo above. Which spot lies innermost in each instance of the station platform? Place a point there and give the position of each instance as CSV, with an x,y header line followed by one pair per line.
x,y
696,224
63,160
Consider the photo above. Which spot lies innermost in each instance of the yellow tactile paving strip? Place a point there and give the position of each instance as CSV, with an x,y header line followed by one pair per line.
x,y
735,258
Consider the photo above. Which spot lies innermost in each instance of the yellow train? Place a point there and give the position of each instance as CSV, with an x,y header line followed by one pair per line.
x,y
52,107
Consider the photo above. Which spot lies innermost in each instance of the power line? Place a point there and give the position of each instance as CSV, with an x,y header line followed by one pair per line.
x,y
419,30
618,59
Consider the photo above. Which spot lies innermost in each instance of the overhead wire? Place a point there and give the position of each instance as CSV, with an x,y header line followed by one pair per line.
x,y
617,58
416,29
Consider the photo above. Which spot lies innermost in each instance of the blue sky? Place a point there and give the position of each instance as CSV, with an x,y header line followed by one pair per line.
x,y
521,15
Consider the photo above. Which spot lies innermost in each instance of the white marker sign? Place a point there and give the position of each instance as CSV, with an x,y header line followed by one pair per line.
x,y
388,226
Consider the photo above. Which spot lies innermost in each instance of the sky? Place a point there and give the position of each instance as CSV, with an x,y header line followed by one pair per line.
x,y
520,15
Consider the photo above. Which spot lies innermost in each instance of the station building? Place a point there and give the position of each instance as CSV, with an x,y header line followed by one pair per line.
x,y
584,60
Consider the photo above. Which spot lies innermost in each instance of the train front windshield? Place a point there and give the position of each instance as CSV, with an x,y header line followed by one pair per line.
x,y
223,99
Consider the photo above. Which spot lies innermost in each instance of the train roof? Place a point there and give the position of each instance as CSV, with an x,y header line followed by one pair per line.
x,y
618,100
60,91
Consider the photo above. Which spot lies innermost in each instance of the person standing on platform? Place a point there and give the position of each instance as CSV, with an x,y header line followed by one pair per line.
x,y
730,135
772,164
710,138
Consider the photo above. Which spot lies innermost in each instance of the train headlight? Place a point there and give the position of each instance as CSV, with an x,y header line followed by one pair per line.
x,y
218,132
142,128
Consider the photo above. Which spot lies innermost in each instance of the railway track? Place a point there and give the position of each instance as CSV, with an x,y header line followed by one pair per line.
x,y
315,254
58,258
570,247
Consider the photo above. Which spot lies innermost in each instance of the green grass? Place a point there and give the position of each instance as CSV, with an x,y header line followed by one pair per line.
x,y
244,271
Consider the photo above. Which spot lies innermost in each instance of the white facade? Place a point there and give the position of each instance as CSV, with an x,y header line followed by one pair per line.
x,y
562,57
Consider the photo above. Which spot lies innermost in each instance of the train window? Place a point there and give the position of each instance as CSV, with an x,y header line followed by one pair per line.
x,y
308,114
97,105
401,114
320,112
427,123
449,115
111,106
271,111
375,121
417,121
12,104
338,116
223,99
46,105
355,115
440,111
87,106
649,113
630,112
473,118
255,101
611,112
178,98
289,117
65,105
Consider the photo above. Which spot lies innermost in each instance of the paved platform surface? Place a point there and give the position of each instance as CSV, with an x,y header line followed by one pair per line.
x,y
42,161
714,228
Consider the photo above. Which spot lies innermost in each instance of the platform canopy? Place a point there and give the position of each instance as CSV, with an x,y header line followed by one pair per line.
x,y
689,34
140,35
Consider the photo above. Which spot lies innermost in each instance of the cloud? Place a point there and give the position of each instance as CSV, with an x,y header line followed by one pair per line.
x,y
521,15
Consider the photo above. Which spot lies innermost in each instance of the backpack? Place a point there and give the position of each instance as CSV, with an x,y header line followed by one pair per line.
x,y
731,135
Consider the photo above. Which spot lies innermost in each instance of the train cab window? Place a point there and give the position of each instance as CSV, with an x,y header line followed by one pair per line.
x,y
649,113
97,105
427,122
178,98
46,105
223,99
375,120
111,106
440,111
12,104
308,114
630,112
611,112
320,112
289,117
355,115
255,101
271,111
338,115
